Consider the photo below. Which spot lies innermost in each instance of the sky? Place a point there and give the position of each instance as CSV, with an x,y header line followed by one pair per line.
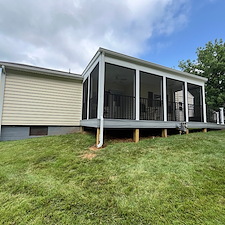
x,y
65,35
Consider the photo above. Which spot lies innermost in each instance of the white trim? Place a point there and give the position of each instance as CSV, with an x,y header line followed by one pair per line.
x,y
222,115
2,91
217,117
203,104
92,66
101,87
164,100
90,63
137,91
186,101
88,97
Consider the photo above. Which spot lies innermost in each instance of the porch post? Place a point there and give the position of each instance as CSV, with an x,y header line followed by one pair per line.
x,y
186,101
101,86
97,136
164,99
88,97
164,132
203,104
136,136
222,115
217,117
137,94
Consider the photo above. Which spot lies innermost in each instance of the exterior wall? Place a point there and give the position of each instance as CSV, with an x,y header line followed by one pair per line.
x,y
10,133
33,99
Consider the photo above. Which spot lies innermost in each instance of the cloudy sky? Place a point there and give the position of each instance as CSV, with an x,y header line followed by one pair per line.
x,y
65,35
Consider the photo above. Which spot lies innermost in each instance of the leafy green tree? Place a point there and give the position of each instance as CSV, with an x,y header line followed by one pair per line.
x,y
210,63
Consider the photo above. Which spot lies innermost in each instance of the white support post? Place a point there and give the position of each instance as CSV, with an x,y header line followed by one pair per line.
x,y
2,91
203,104
137,95
217,118
164,99
88,97
186,101
101,86
222,115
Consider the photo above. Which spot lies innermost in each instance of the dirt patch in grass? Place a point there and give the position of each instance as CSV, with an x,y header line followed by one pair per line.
x,y
89,156
95,148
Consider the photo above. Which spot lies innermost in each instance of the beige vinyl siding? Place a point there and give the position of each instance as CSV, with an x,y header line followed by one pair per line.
x,y
32,99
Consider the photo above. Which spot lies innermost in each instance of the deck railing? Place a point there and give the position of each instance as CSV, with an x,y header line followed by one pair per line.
x,y
123,107
195,113
93,105
175,111
119,106
151,109
212,116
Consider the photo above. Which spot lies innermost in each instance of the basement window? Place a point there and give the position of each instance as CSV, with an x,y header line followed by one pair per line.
x,y
38,131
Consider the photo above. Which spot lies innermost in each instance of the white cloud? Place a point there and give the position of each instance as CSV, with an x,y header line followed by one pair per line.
x,y
65,34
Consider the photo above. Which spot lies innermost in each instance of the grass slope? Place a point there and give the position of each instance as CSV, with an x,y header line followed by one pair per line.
x,y
175,180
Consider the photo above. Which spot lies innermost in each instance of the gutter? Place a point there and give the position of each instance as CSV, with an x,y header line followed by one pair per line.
x,y
40,70
100,144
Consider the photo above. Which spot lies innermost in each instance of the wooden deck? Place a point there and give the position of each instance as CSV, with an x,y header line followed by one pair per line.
x,y
139,124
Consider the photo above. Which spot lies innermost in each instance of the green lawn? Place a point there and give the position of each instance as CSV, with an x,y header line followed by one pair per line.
x,y
58,180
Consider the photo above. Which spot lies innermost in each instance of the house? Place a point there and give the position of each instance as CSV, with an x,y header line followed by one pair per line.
x,y
119,92
36,101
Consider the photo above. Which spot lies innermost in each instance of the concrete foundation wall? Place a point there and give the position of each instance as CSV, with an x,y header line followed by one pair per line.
x,y
22,132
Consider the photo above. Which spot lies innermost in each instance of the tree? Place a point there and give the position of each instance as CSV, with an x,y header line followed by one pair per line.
x,y
210,63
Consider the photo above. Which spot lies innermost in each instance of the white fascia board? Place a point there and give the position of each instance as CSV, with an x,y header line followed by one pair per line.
x,y
153,66
90,64
39,70
90,69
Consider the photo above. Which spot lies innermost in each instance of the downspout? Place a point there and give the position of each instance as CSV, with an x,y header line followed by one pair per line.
x,y
101,98
101,133
2,90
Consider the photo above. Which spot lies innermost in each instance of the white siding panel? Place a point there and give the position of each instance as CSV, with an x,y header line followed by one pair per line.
x,y
41,100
